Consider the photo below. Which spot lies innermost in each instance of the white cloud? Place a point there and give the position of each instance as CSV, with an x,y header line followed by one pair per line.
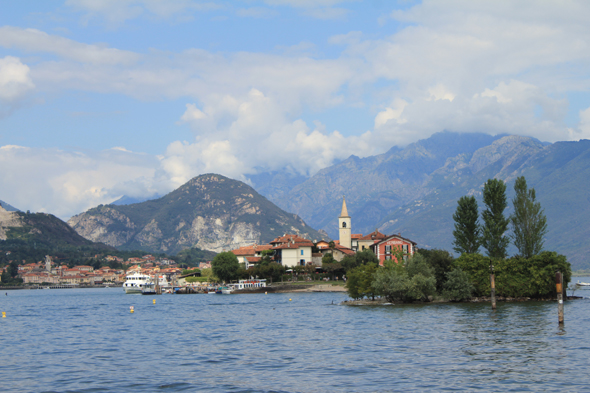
x,y
240,135
66,183
32,40
15,81
15,84
391,113
115,12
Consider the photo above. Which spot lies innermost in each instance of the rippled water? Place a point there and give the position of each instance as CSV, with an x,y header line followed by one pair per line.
x,y
87,340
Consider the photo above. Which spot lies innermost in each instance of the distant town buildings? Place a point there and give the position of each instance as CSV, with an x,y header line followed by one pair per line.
x,y
291,250
48,272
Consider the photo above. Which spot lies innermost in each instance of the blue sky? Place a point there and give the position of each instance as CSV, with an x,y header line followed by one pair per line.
x,y
100,99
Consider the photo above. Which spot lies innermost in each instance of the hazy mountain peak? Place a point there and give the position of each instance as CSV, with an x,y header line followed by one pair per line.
x,y
210,211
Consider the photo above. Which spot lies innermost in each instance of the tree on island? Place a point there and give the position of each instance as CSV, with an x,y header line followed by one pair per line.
x,y
495,224
360,258
225,266
467,231
359,281
529,222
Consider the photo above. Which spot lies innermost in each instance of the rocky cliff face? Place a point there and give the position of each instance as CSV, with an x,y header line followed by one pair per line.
x,y
8,220
210,212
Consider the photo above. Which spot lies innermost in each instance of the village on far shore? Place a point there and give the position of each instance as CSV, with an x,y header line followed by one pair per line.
x,y
289,250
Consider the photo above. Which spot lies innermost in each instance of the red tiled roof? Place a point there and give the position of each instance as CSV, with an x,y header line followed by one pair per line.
x,y
251,250
373,236
356,235
344,250
395,236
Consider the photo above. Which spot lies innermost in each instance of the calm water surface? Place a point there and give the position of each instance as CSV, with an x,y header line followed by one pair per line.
x,y
86,340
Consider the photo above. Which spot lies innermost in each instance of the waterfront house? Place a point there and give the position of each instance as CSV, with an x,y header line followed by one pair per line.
x,y
292,250
251,255
388,246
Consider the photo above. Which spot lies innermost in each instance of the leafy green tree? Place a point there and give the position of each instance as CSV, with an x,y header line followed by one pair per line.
x,y
531,277
208,273
495,224
271,271
467,231
529,222
413,280
95,263
353,283
359,281
334,269
225,266
360,258
477,268
458,286
442,263
392,282
10,275
327,259
266,257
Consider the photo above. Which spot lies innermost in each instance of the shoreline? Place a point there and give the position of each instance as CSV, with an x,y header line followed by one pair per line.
x,y
483,299
294,288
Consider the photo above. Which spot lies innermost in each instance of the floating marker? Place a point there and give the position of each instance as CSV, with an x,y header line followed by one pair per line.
x,y
131,309
3,314
289,299
154,301
266,293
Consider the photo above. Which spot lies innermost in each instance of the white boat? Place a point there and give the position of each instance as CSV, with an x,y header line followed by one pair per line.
x,y
583,284
149,289
135,282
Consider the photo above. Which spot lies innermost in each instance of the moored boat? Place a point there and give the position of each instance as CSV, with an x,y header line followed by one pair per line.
x,y
135,282
149,289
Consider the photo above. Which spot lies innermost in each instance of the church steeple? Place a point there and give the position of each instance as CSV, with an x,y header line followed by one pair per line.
x,y
344,212
344,226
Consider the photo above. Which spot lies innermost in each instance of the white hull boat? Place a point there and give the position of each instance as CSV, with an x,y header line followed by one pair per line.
x,y
134,283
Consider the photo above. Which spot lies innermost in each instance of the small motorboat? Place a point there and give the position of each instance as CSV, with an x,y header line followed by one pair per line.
x,y
583,284
223,291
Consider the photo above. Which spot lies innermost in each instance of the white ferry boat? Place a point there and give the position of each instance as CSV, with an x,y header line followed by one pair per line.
x,y
135,282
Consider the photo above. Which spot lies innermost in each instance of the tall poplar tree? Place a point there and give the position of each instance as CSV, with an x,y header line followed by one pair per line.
x,y
529,222
467,231
494,222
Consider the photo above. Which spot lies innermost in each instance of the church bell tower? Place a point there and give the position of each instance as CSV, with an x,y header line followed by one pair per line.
x,y
344,226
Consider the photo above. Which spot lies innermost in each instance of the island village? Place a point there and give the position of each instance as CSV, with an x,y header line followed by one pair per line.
x,y
289,250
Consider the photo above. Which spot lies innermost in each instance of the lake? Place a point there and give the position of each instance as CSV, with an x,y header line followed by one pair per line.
x,y
86,340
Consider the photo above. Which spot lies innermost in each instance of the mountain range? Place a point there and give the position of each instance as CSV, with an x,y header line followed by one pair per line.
x,y
211,212
414,191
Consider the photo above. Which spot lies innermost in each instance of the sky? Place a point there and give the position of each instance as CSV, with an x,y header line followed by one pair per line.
x,y
100,99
